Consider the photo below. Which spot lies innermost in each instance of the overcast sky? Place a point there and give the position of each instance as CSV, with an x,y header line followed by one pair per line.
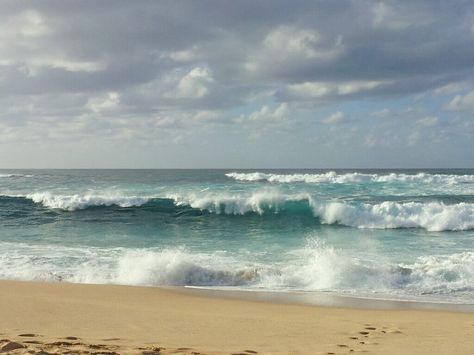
x,y
236,84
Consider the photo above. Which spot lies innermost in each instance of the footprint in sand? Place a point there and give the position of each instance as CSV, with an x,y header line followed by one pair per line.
x,y
153,350
71,338
27,335
10,346
61,343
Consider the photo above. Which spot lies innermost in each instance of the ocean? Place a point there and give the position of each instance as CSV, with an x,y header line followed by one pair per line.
x,y
388,234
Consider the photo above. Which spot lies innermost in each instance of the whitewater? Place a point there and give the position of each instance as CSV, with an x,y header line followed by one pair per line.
x,y
392,234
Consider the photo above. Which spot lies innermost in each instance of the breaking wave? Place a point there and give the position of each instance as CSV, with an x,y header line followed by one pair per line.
x,y
432,216
335,178
78,202
315,267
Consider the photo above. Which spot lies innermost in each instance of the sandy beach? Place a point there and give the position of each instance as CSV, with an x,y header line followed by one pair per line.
x,y
105,319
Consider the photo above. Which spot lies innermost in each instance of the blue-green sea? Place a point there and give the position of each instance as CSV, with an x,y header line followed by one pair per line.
x,y
392,234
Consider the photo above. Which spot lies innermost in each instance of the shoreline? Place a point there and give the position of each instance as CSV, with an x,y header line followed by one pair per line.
x,y
63,317
327,299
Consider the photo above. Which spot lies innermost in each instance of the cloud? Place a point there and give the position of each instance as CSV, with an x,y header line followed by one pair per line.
x,y
449,88
107,102
140,70
290,46
267,116
462,102
394,16
267,119
428,121
311,91
194,85
335,118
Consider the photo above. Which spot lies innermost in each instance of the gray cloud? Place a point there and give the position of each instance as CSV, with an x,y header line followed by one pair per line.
x,y
138,70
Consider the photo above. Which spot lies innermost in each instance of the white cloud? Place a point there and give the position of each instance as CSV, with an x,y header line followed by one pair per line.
x,y
107,102
288,41
318,90
266,118
267,115
335,118
26,24
449,89
382,113
462,102
194,85
291,45
428,121
397,17
183,56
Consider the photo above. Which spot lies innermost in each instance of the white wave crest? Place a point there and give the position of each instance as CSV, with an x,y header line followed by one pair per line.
x,y
239,204
432,216
335,178
77,202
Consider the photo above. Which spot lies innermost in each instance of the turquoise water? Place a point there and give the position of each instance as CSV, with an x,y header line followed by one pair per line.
x,y
372,233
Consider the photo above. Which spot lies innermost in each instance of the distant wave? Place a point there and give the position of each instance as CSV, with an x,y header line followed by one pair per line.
x,y
432,216
15,176
78,202
335,178
313,267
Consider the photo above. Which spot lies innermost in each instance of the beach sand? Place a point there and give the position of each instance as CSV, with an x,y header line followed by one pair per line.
x,y
105,319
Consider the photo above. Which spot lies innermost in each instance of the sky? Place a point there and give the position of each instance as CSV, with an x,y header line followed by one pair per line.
x,y
236,84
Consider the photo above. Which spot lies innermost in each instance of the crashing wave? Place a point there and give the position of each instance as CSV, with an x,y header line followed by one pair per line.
x,y
315,267
77,201
432,216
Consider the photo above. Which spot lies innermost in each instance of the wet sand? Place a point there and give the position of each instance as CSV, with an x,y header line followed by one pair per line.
x,y
105,319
